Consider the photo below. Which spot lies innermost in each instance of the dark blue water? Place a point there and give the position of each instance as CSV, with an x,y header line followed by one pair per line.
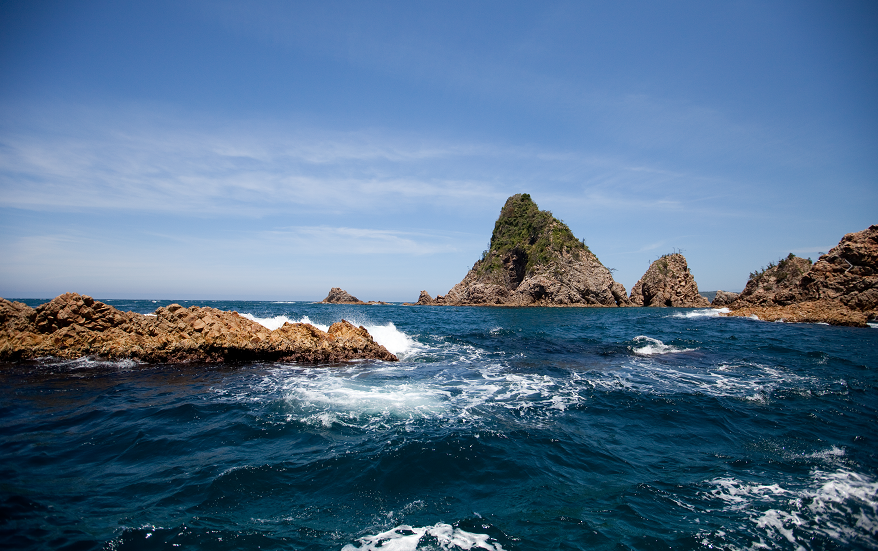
x,y
500,429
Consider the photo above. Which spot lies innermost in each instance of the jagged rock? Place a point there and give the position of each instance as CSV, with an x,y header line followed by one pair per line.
x,y
425,299
841,288
340,296
668,282
724,298
73,326
777,280
534,260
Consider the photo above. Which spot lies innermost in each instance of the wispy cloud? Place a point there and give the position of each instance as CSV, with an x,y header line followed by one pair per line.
x,y
156,162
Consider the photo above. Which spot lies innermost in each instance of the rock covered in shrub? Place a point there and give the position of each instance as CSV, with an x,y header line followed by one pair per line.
x,y
535,260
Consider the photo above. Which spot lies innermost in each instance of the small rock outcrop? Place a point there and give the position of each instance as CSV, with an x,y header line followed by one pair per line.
x,y
841,288
724,298
425,299
668,282
338,295
73,326
534,260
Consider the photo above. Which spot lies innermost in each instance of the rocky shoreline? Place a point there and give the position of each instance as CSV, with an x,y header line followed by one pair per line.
x,y
74,326
841,288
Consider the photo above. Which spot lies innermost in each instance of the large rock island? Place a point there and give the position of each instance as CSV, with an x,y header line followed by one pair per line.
x,y
534,260
841,288
73,326
668,282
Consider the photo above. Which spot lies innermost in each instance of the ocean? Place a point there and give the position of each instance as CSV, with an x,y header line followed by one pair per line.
x,y
499,428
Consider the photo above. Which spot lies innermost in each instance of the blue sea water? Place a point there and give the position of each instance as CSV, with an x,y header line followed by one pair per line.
x,y
500,428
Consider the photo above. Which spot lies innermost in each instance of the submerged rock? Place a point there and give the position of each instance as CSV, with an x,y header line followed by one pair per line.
x,y
668,282
73,326
534,260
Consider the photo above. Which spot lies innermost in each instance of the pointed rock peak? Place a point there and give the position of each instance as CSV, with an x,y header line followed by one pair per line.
x,y
668,282
535,260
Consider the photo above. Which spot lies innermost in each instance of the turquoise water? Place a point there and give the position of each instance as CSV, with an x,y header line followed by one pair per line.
x,y
499,428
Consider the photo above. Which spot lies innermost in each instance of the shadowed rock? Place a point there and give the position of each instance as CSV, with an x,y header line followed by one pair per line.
x,y
73,326
724,298
668,282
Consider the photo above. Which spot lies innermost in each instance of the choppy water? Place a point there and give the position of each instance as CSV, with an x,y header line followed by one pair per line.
x,y
499,429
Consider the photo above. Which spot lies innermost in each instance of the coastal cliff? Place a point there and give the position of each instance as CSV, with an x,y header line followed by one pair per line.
x,y
668,282
73,326
841,288
534,260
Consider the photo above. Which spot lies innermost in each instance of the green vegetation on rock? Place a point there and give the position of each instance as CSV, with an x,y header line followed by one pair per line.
x,y
530,234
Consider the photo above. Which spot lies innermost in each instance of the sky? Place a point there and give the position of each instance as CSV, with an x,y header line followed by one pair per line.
x,y
272,150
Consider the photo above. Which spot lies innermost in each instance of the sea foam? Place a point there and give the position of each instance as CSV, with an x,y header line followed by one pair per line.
x,y
407,538
387,335
704,313
650,346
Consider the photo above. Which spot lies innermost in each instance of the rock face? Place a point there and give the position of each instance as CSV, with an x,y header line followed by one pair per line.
x,y
777,281
841,288
534,260
668,282
724,298
72,326
340,296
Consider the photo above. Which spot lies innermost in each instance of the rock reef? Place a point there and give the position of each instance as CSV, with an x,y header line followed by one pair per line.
x,y
534,260
668,282
841,288
73,326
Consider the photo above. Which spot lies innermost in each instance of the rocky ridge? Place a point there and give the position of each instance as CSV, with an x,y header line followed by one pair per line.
x,y
534,260
73,326
841,288
668,282
775,284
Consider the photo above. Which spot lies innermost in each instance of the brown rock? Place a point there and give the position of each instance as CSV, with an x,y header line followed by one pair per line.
x,y
340,296
841,288
724,298
817,311
425,299
173,334
774,285
668,282
535,260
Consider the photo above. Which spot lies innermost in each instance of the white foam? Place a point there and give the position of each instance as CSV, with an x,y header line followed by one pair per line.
x,y
392,338
655,346
278,321
872,325
407,538
704,313
840,505
388,335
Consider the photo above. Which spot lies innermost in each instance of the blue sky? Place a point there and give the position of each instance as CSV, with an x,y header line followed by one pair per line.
x,y
272,150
